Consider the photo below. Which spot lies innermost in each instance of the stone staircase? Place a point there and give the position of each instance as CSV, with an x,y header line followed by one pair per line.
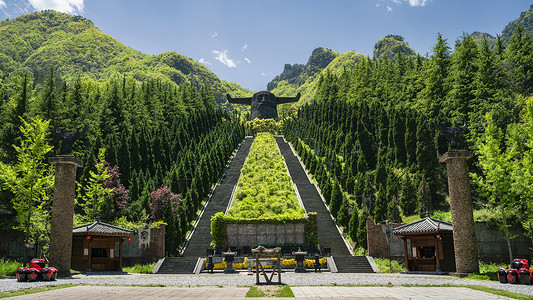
x,y
353,264
328,234
176,265
201,237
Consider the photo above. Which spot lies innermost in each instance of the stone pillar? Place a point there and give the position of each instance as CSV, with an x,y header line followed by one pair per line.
x,y
63,212
464,235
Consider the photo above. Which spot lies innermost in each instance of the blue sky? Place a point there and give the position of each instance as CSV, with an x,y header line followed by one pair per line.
x,y
249,41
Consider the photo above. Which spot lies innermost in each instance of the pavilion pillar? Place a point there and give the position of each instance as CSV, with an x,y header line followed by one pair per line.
x,y
464,235
63,212
406,254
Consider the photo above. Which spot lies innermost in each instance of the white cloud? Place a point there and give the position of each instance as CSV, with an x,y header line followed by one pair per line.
x,y
411,3
415,3
2,4
244,47
67,6
213,34
222,56
204,62
247,60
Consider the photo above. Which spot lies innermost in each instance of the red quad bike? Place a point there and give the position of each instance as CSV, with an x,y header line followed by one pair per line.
x,y
502,275
36,271
518,273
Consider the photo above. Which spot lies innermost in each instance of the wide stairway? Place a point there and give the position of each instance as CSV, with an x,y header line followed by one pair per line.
x,y
328,234
201,237
353,264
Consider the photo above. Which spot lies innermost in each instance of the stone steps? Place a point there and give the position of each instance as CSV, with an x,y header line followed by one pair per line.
x,y
353,264
201,237
178,265
328,234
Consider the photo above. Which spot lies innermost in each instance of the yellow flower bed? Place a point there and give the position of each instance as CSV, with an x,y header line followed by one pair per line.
x,y
308,263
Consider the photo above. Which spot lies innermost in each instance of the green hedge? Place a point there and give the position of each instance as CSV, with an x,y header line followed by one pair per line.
x,y
220,221
265,189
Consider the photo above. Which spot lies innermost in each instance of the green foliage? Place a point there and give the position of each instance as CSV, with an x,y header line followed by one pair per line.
x,y
255,292
30,180
389,266
9,267
311,229
218,228
300,79
141,269
488,271
264,189
220,221
94,194
262,125
73,46
525,21
391,47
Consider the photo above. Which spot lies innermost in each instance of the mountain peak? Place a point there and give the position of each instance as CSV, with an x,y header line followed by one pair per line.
x,y
389,47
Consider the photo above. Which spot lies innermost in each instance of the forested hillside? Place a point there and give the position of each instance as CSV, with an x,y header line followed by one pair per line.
x,y
152,150
72,46
525,21
369,130
304,78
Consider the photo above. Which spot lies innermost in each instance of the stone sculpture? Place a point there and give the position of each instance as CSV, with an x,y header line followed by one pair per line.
x,y
451,133
69,138
263,104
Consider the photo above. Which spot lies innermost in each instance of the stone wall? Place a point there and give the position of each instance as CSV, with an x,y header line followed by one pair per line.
x,y
377,241
265,234
134,253
492,245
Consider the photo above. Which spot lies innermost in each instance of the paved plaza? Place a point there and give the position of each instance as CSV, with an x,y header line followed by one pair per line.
x,y
305,286
213,293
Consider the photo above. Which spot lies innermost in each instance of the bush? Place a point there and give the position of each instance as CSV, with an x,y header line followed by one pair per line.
x,y
265,189
389,266
9,267
142,269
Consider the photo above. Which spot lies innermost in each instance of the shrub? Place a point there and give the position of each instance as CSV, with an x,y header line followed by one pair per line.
x,y
143,269
9,267
265,189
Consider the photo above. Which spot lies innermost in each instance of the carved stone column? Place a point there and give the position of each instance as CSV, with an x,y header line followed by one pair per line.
x,y
464,235
63,212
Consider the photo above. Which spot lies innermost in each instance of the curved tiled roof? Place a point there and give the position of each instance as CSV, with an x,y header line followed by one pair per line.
x,y
102,228
425,225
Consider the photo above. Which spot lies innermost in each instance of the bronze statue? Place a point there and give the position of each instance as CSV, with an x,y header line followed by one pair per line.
x,y
69,138
451,133
263,104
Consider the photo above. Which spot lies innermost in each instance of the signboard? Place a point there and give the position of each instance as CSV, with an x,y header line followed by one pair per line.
x,y
144,237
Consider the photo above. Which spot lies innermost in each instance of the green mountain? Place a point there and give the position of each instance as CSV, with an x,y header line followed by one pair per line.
x,y
389,47
478,37
304,78
525,21
297,74
73,46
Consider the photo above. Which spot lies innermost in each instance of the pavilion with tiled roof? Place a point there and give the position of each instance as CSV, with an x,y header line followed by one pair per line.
x,y
95,246
428,245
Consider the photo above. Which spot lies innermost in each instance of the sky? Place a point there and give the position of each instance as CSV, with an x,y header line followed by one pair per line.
x,y
250,41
